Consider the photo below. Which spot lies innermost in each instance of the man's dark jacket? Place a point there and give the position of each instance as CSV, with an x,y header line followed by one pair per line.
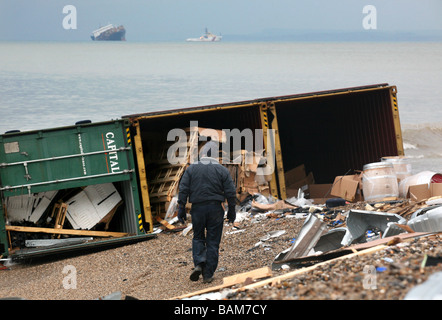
x,y
206,180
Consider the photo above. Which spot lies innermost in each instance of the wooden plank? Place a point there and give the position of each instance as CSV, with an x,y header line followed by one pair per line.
x,y
242,277
161,199
228,281
278,279
292,274
91,233
165,223
274,280
159,194
166,179
197,293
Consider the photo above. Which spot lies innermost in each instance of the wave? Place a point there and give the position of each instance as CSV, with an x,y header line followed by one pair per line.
x,y
422,140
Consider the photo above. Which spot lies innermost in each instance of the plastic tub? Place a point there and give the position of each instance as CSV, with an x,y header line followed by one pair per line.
x,y
379,181
401,166
424,177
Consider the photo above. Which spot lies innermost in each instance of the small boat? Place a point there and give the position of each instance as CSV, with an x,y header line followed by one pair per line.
x,y
109,33
207,37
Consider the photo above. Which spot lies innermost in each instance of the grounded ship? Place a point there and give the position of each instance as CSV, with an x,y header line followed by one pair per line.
x,y
207,37
109,33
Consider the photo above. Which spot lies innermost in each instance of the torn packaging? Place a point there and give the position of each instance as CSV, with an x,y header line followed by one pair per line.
x,y
424,191
314,240
309,235
255,173
281,204
429,290
347,187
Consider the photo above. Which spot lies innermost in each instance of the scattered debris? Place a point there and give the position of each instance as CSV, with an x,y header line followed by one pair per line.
x,y
341,228
330,230
309,235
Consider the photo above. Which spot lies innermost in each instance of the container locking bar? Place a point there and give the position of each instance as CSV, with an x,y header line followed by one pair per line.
x,y
6,188
25,163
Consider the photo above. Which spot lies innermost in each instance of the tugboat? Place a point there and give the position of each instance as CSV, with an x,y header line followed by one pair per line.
x,y
207,37
109,33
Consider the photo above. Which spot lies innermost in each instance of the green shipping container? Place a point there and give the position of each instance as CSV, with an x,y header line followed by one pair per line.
x,y
63,162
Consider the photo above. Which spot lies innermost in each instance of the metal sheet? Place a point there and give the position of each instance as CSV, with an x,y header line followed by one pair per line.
x,y
29,253
359,221
245,103
59,158
55,242
311,231
427,221
71,157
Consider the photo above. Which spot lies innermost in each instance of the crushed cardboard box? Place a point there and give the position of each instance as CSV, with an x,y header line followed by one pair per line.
x,y
253,174
319,193
296,179
347,187
278,205
423,191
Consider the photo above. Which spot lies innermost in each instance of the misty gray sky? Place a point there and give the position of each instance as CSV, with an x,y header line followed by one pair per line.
x,y
176,20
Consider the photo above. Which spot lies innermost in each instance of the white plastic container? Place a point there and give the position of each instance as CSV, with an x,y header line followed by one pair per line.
x,y
424,177
401,166
379,181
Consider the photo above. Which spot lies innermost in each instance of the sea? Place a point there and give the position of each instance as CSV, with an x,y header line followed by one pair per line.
x,y
52,84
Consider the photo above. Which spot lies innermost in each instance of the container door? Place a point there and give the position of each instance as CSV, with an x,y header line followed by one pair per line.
x,y
141,164
397,124
272,145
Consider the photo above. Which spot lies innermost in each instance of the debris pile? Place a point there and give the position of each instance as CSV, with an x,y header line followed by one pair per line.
x,y
406,270
61,217
335,227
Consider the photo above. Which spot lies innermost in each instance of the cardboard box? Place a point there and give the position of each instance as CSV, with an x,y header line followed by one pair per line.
x,y
319,193
295,175
347,187
424,191
292,189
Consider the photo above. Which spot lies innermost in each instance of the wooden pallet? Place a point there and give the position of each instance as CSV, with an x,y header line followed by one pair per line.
x,y
163,183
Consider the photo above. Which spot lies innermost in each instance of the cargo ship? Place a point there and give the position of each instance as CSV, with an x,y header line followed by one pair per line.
x,y
207,37
109,33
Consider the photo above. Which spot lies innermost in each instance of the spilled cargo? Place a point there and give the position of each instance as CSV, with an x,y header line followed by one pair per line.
x,y
327,134
273,146
69,182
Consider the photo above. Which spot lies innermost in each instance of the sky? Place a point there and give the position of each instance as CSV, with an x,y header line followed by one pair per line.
x,y
176,20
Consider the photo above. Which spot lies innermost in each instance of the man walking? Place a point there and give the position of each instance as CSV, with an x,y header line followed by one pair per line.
x,y
207,184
